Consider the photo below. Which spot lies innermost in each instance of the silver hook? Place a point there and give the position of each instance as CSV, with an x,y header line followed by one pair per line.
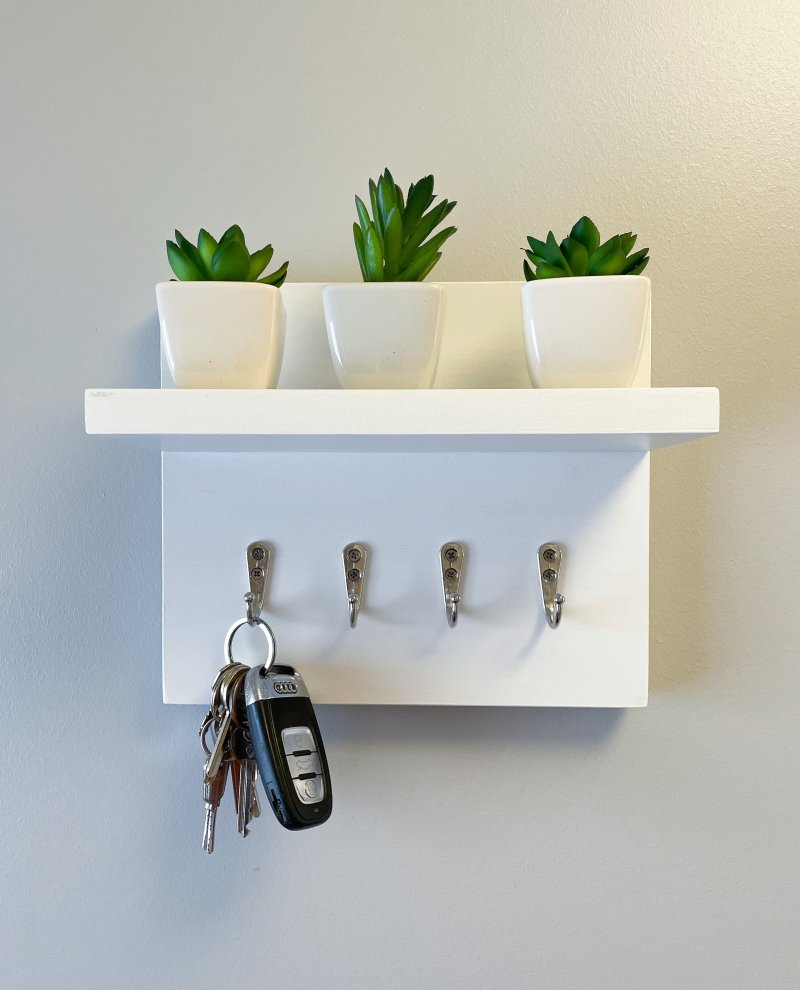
x,y
258,555
452,560
550,555
354,557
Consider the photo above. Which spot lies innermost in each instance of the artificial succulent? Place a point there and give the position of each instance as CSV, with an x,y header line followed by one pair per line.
x,y
582,254
391,244
226,260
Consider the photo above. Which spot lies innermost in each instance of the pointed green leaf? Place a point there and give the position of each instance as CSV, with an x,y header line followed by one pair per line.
x,y
206,245
373,198
426,271
425,227
603,252
611,264
528,271
576,254
535,258
626,242
373,255
181,241
259,261
181,264
358,237
191,252
538,247
550,271
634,261
438,239
586,232
392,240
277,278
234,232
420,264
363,215
419,199
398,196
555,255
231,261
386,202
639,268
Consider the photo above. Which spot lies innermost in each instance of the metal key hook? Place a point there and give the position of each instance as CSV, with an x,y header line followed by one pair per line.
x,y
452,559
257,566
354,557
451,604
550,555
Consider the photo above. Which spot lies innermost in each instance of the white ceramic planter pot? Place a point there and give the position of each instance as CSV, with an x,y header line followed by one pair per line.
x,y
585,332
222,334
384,334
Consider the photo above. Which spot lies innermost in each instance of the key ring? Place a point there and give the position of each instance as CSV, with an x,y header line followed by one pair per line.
x,y
268,633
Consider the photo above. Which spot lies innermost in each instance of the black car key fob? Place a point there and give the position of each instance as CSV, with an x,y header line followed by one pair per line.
x,y
287,746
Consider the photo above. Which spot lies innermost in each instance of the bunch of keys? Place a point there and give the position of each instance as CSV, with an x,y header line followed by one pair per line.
x,y
230,755
261,723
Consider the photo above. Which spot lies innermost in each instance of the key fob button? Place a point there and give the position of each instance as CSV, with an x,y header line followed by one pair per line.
x,y
297,739
310,791
306,763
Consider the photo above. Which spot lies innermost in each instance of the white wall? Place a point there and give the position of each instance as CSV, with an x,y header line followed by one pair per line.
x,y
557,849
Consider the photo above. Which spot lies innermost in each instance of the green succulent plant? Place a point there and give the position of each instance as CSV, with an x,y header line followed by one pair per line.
x,y
391,244
226,260
582,254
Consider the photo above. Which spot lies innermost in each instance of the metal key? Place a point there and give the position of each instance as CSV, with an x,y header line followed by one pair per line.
x,y
247,797
226,692
255,804
213,791
244,783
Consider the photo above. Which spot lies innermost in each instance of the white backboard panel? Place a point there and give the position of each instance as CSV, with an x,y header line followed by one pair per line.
x,y
501,506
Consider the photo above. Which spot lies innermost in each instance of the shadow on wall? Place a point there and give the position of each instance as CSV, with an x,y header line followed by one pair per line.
x,y
558,728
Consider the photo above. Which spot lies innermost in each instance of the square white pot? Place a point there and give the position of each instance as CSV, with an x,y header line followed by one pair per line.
x,y
222,334
384,334
585,332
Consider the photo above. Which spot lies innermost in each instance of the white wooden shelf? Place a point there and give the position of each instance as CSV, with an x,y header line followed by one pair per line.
x,y
637,419
481,459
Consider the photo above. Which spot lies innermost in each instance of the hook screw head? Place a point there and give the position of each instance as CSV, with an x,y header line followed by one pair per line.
x,y
549,554
451,573
354,555
258,553
451,553
257,573
549,575
354,574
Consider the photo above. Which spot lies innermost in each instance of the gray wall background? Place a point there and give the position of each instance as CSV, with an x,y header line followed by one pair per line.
x,y
642,849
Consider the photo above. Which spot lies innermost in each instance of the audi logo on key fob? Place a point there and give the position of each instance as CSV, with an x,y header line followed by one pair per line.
x,y
288,746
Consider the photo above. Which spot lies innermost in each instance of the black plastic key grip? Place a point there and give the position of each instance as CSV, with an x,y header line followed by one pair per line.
x,y
291,763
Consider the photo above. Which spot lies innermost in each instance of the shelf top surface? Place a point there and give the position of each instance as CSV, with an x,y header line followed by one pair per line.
x,y
386,419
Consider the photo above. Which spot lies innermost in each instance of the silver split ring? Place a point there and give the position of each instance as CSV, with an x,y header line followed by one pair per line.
x,y
268,634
